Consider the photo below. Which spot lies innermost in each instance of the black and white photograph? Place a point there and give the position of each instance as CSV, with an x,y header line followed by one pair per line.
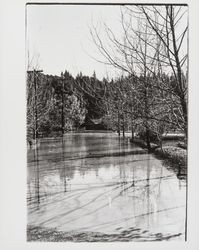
x,y
107,122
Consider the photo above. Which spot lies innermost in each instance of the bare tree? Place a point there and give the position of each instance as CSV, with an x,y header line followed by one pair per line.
x,y
173,42
153,45
39,101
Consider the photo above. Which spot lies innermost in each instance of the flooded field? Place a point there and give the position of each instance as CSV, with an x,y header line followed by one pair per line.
x,y
96,182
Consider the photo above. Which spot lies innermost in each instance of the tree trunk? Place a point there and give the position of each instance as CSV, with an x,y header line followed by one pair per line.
x,y
123,126
62,114
160,143
179,72
132,133
148,140
118,124
35,108
184,110
123,132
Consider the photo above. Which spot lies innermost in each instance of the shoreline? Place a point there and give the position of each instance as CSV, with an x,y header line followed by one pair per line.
x,y
41,234
172,156
176,155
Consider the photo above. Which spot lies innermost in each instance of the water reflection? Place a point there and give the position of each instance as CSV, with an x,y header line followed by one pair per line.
x,y
96,182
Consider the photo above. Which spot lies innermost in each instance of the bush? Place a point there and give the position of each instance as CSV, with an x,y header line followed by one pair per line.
x,y
152,135
175,154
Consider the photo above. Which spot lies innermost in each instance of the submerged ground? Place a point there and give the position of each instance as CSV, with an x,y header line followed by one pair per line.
x,y
97,187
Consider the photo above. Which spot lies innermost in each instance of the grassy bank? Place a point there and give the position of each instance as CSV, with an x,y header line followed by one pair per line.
x,y
52,235
175,154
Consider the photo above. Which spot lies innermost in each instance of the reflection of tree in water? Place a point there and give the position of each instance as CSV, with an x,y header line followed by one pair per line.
x,y
67,170
149,193
177,168
83,151
37,173
67,173
145,194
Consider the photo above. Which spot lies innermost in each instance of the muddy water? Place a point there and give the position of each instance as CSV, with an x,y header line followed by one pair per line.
x,y
95,182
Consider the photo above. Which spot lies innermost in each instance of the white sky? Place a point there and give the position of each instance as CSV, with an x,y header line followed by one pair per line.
x,y
58,38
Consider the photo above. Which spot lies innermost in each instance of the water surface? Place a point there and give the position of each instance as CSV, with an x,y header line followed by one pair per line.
x,y
97,182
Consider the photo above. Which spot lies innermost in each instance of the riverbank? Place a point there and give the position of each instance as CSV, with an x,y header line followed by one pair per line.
x,y
173,153
97,187
52,235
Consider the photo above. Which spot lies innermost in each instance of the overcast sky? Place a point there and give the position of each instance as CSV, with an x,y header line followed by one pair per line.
x,y
58,37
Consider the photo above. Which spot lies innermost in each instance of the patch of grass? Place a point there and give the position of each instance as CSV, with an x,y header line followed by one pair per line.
x,y
41,234
174,154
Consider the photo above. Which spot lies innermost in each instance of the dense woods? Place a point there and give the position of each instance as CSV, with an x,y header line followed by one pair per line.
x,y
58,104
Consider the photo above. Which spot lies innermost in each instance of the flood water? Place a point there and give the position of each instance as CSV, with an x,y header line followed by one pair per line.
x,y
97,182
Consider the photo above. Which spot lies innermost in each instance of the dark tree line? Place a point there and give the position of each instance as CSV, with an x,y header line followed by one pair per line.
x,y
57,104
135,103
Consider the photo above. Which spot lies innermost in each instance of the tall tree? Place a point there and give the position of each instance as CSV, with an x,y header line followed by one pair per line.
x,y
153,44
